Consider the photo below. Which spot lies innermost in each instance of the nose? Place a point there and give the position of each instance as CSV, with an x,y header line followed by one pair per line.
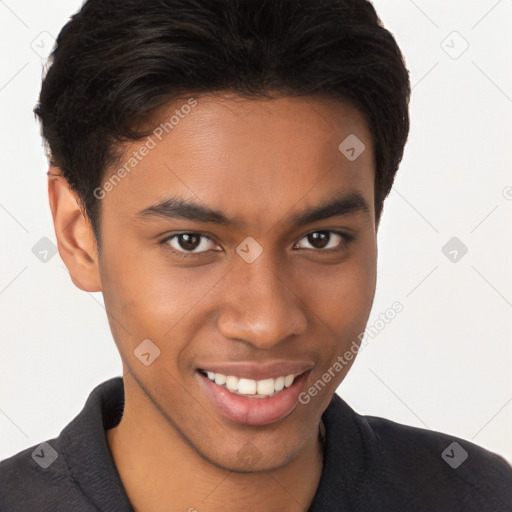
x,y
261,306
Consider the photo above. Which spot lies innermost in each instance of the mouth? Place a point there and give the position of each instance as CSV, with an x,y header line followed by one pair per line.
x,y
250,388
250,401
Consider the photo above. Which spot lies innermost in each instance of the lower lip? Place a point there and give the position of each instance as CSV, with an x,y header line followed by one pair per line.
x,y
254,411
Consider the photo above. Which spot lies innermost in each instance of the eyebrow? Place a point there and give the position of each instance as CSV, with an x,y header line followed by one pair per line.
x,y
341,204
178,208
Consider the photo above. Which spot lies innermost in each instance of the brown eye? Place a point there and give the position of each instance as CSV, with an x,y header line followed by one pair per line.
x,y
319,239
323,240
190,243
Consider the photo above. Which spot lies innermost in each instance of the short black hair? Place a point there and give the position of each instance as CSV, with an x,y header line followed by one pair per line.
x,y
116,61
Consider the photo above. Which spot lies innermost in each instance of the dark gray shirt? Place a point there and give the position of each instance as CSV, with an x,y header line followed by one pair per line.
x,y
370,465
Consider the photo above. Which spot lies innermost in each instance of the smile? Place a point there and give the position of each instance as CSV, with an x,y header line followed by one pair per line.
x,y
250,388
254,401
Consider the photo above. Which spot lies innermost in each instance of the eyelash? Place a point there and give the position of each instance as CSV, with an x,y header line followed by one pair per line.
x,y
345,239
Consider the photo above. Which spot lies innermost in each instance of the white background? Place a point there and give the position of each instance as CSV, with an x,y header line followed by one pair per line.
x,y
443,363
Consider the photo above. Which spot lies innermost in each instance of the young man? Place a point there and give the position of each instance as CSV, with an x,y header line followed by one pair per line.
x,y
218,171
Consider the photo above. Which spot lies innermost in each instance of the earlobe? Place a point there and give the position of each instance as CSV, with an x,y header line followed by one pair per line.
x,y
75,237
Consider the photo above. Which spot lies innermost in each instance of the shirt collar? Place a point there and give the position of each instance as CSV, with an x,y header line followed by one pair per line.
x,y
85,447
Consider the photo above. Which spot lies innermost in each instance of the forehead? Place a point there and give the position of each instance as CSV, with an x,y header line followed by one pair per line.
x,y
258,158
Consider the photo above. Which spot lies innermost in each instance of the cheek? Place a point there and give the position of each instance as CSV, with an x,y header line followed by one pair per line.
x,y
341,296
150,296
341,306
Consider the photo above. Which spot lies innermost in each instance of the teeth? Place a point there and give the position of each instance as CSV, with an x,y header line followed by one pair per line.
x,y
254,388
265,387
218,378
231,382
279,383
247,387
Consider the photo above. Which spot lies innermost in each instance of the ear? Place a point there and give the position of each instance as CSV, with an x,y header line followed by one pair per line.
x,y
75,237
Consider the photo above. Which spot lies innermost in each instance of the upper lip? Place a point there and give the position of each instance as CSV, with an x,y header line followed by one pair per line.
x,y
258,371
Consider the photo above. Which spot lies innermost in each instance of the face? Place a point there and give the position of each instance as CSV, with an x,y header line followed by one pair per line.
x,y
242,245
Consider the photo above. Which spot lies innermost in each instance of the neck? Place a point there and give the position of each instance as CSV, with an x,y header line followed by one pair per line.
x,y
160,470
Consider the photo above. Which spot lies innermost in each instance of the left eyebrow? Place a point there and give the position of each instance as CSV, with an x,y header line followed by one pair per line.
x,y
342,204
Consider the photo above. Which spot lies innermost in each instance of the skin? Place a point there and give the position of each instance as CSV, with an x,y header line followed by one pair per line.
x,y
260,162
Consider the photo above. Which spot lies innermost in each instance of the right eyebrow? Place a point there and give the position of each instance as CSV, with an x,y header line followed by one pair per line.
x,y
178,208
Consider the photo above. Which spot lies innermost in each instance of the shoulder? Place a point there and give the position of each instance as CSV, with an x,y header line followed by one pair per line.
x,y
430,468
38,478
74,471
377,465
